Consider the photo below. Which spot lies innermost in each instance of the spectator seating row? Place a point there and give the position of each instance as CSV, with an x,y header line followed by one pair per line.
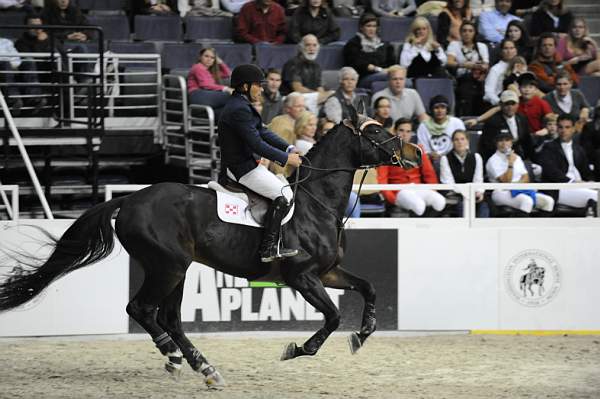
x,y
193,28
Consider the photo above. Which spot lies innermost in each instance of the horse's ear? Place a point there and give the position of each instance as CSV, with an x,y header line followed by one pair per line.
x,y
361,108
353,116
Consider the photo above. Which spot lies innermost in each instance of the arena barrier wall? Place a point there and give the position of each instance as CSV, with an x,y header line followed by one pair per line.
x,y
431,274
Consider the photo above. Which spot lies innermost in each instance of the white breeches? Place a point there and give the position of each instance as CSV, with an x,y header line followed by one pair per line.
x,y
265,183
523,201
418,200
577,197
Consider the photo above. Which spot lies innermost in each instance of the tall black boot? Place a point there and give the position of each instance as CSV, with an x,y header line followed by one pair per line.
x,y
269,249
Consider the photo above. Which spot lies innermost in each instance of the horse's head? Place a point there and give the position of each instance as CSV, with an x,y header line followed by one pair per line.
x,y
377,146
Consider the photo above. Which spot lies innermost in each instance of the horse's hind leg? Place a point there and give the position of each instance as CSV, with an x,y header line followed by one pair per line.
x,y
343,279
143,308
169,318
313,291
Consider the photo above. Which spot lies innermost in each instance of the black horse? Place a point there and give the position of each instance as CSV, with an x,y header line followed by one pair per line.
x,y
167,226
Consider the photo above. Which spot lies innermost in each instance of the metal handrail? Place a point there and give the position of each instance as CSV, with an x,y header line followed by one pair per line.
x,y
12,206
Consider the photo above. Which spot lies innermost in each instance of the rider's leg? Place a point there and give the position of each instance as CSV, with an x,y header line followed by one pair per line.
x,y
265,183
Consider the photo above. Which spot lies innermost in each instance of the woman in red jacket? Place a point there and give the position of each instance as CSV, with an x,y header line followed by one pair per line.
x,y
413,200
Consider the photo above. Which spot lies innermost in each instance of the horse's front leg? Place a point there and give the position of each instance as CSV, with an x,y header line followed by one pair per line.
x,y
313,291
343,279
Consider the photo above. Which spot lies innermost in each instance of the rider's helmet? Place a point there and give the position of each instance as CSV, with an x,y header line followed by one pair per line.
x,y
246,73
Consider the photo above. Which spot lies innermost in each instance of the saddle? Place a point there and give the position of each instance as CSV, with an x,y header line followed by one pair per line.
x,y
238,204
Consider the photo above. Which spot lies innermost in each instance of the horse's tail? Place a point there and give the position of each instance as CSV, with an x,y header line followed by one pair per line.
x,y
89,239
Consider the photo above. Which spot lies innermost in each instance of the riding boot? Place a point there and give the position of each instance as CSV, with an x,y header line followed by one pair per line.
x,y
269,249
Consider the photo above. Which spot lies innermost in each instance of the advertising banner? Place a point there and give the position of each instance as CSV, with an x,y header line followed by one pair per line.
x,y
214,301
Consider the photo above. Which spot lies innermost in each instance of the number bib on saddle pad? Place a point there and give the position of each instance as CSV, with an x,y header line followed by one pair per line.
x,y
237,208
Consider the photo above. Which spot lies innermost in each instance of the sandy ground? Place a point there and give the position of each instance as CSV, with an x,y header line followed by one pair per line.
x,y
447,366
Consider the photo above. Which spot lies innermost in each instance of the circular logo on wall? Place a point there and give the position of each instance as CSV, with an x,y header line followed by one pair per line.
x,y
532,277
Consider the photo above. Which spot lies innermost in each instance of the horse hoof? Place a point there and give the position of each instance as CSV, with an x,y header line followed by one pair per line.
x,y
214,380
174,370
289,352
354,342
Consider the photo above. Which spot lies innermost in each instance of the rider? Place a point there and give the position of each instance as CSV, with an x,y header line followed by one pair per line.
x,y
242,134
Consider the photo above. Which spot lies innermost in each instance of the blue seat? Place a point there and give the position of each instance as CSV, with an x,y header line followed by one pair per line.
x,y
394,29
115,27
208,28
428,88
331,56
234,54
133,47
101,4
270,56
12,18
590,87
348,27
158,27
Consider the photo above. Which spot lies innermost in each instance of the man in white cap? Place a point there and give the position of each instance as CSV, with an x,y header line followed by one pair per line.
x,y
508,120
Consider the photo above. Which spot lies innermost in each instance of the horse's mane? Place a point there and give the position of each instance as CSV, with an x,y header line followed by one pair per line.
x,y
334,131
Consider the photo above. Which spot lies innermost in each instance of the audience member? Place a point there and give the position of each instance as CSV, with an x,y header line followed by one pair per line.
x,y
480,6
156,7
506,166
302,73
564,161
290,6
579,50
507,121
435,134
590,141
305,128
531,106
421,54
463,166
517,33
551,16
347,8
313,17
551,128
272,98
337,107
566,100
17,70
406,103
493,24
15,5
521,8
394,8
233,6
261,21
494,79
415,201
382,112
516,67
207,8
283,124
450,21
470,61
547,63
367,53
63,12
33,40
205,81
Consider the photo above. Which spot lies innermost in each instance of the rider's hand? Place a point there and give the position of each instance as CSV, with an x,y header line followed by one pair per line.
x,y
294,160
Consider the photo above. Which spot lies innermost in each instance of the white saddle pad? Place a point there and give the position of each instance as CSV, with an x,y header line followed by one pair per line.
x,y
233,207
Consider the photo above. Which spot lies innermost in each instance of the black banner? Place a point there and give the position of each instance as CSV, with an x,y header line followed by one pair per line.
x,y
215,302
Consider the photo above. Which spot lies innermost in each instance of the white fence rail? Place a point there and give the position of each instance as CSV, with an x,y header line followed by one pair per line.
x,y
12,205
469,217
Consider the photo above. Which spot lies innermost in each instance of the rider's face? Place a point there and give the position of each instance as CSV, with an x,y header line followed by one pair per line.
x,y
255,92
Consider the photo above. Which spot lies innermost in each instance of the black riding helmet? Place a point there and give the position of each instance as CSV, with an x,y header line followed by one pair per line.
x,y
246,73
